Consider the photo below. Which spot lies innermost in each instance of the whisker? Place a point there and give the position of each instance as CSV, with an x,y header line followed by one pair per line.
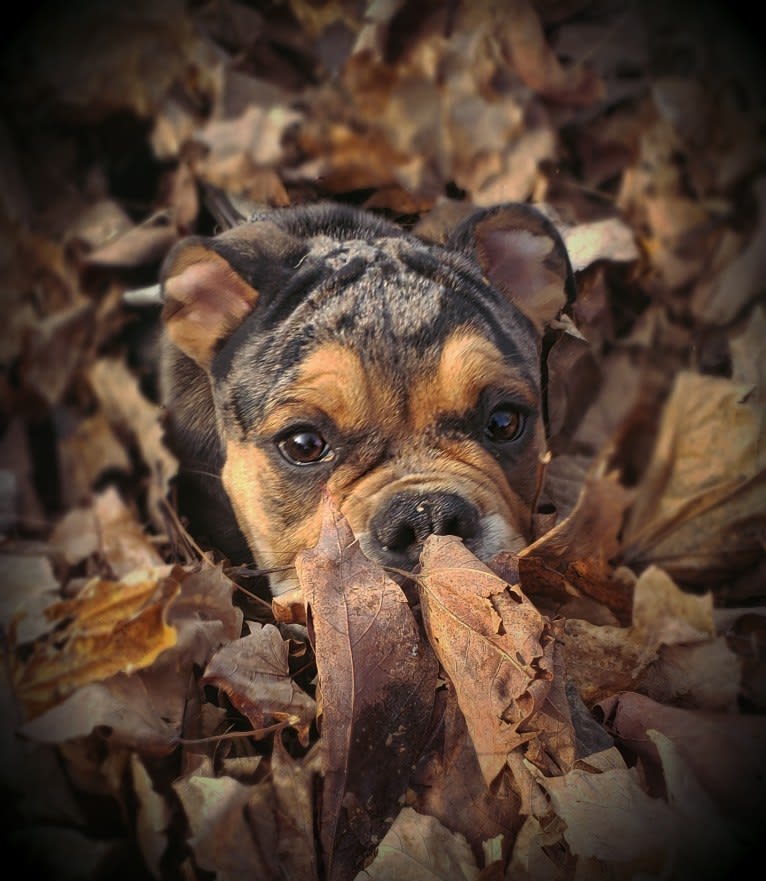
x,y
255,572
200,473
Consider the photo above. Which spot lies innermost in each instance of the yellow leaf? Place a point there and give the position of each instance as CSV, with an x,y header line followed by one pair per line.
x,y
111,627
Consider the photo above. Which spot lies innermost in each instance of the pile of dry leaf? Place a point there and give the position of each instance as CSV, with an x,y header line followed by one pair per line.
x,y
591,708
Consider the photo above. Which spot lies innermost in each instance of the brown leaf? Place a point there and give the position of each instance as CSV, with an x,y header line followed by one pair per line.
x,y
719,300
699,509
496,648
153,817
140,711
611,819
107,527
99,62
19,497
140,246
745,633
127,409
600,659
609,239
294,787
419,848
450,787
573,381
592,529
748,364
54,350
98,223
614,828
254,673
221,813
582,545
681,659
91,449
203,613
289,607
29,588
726,752
703,675
665,615
669,649
377,692
536,62
257,133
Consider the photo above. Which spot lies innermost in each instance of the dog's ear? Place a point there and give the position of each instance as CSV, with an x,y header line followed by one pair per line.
x,y
522,255
205,300
208,284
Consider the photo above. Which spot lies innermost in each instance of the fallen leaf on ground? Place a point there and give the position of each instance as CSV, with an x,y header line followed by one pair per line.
x,y
699,509
725,752
106,527
111,626
376,693
419,848
498,652
254,673
232,826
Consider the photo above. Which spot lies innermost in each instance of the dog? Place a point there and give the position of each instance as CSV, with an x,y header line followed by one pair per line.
x,y
322,348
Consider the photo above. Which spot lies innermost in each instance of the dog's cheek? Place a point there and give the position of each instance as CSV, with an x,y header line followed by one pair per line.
x,y
276,520
504,492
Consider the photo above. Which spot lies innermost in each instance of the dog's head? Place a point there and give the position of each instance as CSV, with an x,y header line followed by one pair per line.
x,y
321,348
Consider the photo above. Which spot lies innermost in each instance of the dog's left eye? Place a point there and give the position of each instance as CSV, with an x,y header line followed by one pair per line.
x,y
505,423
305,447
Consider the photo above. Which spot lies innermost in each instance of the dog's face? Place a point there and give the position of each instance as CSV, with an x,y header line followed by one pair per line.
x,y
333,352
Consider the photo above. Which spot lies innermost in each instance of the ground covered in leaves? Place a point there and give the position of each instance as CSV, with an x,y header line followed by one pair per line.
x,y
591,708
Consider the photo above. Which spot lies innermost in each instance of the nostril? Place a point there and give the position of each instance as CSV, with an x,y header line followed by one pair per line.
x,y
407,519
463,527
400,537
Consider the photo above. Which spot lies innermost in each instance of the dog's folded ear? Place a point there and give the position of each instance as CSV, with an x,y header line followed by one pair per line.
x,y
205,300
522,255
205,292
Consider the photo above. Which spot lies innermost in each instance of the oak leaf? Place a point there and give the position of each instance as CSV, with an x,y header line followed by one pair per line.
x,y
254,672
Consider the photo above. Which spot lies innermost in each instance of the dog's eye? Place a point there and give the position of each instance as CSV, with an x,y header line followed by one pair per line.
x,y
306,447
505,423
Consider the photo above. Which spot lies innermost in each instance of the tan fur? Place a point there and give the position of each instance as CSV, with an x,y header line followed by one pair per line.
x,y
468,364
369,327
334,382
252,485
205,299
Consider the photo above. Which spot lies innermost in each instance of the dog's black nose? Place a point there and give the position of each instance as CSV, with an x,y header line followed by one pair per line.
x,y
402,525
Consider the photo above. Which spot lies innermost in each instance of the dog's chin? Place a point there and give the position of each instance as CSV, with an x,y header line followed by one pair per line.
x,y
281,584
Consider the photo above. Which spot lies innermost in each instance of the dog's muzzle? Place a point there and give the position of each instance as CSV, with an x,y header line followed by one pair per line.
x,y
401,526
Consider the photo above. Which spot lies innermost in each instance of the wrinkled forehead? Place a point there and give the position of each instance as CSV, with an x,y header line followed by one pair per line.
x,y
382,312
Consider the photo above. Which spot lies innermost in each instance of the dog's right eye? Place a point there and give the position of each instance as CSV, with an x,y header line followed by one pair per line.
x,y
305,447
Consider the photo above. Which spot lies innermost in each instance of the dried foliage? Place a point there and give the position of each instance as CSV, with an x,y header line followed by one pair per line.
x,y
592,707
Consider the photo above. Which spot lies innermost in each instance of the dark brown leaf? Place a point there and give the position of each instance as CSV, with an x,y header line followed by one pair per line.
x,y
377,677
254,673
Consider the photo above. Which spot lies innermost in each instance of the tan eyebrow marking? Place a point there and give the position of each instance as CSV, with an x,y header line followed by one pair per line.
x,y
333,381
469,363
